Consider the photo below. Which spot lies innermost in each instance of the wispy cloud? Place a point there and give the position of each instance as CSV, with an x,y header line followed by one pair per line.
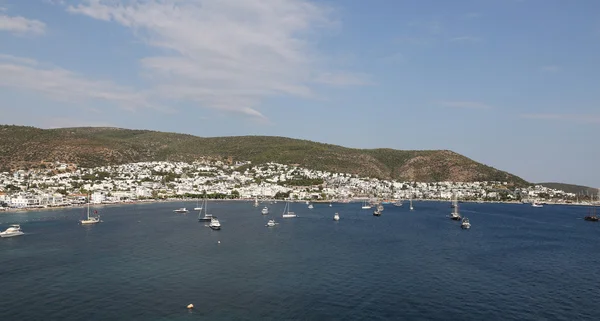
x,y
228,54
465,39
550,68
63,85
465,104
577,118
21,25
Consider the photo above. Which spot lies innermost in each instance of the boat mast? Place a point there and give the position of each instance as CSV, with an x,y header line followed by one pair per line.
x,y
88,209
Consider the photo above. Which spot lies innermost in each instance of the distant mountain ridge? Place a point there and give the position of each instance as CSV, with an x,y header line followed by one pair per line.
x,y
570,188
26,147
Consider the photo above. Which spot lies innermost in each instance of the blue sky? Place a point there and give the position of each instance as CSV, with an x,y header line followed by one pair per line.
x,y
510,83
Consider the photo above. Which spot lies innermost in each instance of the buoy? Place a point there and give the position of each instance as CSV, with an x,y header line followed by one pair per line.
x,y
190,306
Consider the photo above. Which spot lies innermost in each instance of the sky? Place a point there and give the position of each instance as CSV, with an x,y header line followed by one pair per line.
x,y
514,84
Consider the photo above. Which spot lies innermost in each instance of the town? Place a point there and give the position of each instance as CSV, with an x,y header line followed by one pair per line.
x,y
65,184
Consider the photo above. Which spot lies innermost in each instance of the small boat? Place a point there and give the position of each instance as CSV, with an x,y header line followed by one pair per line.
x,y
411,206
380,208
454,215
271,223
198,207
181,210
376,213
206,217
11,231
256,202
286,211
214,223
265,211
592,217
330,204
536,204
366,206
307,202
465,224
310,206
90,219
398,203
336,217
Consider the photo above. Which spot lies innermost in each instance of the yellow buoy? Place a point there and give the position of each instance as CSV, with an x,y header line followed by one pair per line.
x,y
190,306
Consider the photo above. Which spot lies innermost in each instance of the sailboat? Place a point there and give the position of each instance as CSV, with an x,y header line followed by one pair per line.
x,y
255,201
366,206
206,217
454,215
592,217
411,206
198,207
90,220
286,211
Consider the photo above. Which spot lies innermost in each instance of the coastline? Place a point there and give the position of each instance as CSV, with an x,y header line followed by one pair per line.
x,y
174,200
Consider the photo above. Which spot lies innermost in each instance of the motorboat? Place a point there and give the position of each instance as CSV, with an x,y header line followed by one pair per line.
x,y
11,231
376,213
271,223
380,208
398,203
214,223
536,204
465,224
265,210
310,206
181,210
336,217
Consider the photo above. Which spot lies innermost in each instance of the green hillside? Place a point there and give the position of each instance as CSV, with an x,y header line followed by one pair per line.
x,y
26,147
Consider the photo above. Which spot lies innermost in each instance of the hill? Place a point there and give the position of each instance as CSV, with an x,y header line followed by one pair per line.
x,y
570,188
26,147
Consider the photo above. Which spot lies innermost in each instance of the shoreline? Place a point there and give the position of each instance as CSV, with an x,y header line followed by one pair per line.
x,y
173,200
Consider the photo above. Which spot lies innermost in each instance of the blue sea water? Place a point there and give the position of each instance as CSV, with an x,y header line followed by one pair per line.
x,y
145,262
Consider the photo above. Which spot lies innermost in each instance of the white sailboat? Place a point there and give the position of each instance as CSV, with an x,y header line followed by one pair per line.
x,y
255,201
90,220
286,211
411,206
365,205
206,217
454,215
198,207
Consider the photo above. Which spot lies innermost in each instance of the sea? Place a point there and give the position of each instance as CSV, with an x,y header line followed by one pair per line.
x,y
145,262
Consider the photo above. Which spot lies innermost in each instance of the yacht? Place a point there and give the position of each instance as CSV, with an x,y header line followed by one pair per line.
x,y
366,206
271,223
286,211
206,217
465,224
90,219
336,217
265,211
13,230
376,213
181,210
214,223
310,206
536,204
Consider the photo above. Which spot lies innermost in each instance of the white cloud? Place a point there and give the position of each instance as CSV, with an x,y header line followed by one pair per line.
x,y
465,104
577,118
550,68
64,85
227,54
21,25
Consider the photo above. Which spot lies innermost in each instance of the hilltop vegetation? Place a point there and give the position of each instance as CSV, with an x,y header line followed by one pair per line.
x,y
26,147
570,188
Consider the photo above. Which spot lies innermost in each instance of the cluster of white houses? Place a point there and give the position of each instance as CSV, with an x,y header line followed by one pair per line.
x,y
66,184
